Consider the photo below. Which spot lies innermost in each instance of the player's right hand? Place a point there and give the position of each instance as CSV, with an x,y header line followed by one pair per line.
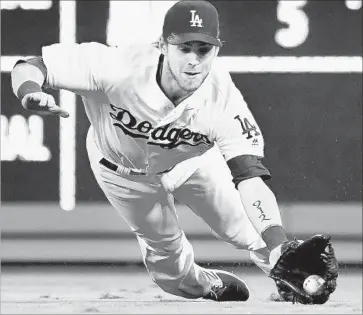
x,y
43,104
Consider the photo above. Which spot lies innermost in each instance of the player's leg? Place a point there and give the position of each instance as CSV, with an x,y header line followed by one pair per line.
x,y
167,254
211,194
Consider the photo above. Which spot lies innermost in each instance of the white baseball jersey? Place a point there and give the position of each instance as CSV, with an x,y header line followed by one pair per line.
x,y
134,123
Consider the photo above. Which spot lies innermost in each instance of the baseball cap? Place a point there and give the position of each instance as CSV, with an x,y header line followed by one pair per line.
x,y
192,20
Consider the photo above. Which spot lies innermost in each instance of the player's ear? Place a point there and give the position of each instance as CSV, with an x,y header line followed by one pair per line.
x,y
163,45
217,50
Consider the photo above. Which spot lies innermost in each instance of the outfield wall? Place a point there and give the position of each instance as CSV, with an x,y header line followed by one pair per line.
x,y
94,232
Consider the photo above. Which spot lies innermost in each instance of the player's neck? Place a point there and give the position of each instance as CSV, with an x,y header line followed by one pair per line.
x,y
168,84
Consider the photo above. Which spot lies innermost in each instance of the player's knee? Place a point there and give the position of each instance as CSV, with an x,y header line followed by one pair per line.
x,y
232,232
160,242
168,266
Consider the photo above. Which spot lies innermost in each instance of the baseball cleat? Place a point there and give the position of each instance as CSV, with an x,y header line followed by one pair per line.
x,y
225,286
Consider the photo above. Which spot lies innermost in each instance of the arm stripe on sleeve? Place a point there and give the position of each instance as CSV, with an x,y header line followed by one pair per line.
x,y
37,62
247,166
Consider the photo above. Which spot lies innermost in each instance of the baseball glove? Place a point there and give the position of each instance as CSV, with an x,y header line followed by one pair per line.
x,y
315,256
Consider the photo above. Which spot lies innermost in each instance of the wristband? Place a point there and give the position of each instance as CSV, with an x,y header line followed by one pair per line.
x,y
28,87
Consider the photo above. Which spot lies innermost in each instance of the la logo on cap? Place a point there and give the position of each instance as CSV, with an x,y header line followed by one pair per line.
x,y
196,21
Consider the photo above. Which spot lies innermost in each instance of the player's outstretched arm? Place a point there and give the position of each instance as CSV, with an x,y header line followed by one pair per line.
x,y
27,81
262,209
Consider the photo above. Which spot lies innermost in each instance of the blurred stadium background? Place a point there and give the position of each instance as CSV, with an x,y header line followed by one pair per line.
x,y
299,66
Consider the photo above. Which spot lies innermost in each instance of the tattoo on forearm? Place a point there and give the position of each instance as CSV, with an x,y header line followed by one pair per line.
x,y
262,216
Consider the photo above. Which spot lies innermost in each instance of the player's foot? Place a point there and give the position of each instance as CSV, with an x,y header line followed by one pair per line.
x,y
226,286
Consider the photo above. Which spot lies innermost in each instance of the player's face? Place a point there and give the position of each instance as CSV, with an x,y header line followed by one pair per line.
x,y
190,63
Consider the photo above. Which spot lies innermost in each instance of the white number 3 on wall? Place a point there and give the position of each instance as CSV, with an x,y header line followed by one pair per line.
x,y
297,30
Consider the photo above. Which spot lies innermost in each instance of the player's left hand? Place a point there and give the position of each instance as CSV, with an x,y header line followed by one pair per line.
x,y
315,256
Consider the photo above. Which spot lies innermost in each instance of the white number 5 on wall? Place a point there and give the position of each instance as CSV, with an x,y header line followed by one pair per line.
x,y
291,14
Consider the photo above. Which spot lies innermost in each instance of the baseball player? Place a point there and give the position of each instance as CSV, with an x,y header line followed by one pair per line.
x,y
162,116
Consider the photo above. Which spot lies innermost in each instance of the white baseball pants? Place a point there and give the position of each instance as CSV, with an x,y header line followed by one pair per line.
x,y
152,215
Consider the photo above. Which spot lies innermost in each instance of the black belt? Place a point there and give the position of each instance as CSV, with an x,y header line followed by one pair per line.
x,y
115,168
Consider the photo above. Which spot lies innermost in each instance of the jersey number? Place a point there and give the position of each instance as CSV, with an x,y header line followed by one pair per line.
x,y
247,127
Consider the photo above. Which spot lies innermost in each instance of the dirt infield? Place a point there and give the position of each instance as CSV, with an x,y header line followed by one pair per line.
x,y
129,290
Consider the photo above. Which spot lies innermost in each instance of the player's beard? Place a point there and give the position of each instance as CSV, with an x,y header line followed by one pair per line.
x,y
188,85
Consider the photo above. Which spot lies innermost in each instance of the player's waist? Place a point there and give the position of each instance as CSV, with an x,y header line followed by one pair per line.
x,y
103,156
124,170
